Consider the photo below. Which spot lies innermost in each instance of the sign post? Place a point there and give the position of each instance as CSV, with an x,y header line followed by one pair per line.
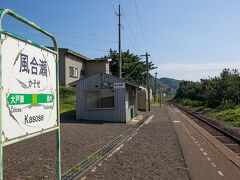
x,y
29,91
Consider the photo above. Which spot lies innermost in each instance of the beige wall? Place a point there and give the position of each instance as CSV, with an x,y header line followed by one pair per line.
x,y
67,60
72,61
93,67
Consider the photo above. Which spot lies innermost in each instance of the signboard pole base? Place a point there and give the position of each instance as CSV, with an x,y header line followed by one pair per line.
x,y
1,160
58,155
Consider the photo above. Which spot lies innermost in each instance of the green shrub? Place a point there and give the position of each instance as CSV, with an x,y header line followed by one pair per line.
x,y
67,98
229,115
66,91
192,103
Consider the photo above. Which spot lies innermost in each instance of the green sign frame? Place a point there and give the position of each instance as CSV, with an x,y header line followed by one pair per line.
x,y
31,98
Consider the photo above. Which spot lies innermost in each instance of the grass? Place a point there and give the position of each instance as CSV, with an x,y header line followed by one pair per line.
x,y
227,113
77,169
67,99
94,157
68,103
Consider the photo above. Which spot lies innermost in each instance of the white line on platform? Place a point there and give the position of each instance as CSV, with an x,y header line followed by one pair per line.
x,y
110,155
176,121
129,138
213,165
149,119
177,110
220,173
99,164
208,158
94,169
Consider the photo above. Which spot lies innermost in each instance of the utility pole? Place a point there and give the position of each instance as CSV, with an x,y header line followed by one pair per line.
x,y
155,87
147,79
119,43
160,97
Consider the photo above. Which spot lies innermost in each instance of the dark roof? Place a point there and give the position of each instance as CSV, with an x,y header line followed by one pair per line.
x,y
126,82
69,51
100,59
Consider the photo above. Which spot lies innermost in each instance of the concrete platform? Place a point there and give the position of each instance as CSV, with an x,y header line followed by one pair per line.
x,y
135,120
206,158
151,153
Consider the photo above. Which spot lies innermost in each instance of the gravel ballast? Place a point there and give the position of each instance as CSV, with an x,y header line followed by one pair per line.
x,y
35,158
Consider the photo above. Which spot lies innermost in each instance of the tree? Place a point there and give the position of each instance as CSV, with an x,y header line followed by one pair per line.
x,y
224,89
133,68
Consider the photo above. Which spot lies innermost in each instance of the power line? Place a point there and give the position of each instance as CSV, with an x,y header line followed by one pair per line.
x,y
131,38
132,70
45,38
114,9
85,47
67,35
130,29
94,39
139,19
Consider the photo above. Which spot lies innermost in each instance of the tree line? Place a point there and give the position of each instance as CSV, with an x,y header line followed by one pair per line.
x,y
222,89
133,67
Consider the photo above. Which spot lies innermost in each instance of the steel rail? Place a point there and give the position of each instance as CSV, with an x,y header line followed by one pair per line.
x,y
231,136
81,168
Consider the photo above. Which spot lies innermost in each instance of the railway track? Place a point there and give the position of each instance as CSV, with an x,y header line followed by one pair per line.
x,y
80,169
230,140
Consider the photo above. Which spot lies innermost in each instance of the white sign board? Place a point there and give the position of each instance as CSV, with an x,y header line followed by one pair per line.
x,y
29,102
118,85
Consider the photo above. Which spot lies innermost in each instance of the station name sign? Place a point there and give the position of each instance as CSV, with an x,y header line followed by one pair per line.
x,y
29,102
118,85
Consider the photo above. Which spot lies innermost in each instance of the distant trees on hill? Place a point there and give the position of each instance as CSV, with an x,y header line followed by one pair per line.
x,y
133,66
223,89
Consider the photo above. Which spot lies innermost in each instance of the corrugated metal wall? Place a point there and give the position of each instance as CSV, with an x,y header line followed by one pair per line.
x,y
97,81
128,102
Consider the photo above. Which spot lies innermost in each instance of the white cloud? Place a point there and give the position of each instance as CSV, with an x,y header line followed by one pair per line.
x,y
191,71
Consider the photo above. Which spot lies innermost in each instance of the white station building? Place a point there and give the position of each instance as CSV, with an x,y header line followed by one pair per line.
x,y
104,97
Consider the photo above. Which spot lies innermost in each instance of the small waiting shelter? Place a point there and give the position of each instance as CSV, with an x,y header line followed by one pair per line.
x,y
142,98
104,97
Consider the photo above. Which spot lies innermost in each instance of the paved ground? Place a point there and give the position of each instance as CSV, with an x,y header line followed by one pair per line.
x,y
202,158
167,147
152,153
35,158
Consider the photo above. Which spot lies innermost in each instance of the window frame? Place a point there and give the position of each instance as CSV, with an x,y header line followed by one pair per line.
x,y
93,90
75,69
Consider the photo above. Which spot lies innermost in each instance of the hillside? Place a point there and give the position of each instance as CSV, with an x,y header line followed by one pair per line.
x,y
173,83
164,81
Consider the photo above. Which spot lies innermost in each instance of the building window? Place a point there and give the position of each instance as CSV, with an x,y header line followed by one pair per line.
x,y
73,72
100,99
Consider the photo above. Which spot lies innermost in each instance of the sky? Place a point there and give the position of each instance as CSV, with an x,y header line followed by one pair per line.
x,y
186,39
